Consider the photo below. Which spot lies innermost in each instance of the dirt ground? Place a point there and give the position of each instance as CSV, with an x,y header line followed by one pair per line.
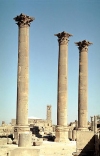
x,y
46,149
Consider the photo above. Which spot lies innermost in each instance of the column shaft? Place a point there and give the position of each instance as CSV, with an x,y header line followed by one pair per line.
x,y
62,85
83,85
23,76
83,82
62,129
23,22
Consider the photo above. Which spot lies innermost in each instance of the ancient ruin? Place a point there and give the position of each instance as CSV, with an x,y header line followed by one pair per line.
x,y
83,84
23,22
44,125
61,129
39,137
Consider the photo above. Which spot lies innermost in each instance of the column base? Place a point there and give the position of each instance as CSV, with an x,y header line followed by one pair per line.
x,y
83,129
61,134
19,129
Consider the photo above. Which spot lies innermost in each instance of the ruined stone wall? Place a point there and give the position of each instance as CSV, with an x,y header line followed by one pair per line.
x,y
6,130
35,122
46,124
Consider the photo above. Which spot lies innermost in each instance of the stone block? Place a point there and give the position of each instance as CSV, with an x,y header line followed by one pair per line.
x,y
85,141
23,151
61,134
9,141
45,139
3,141
34,138
25,139
15,141
37,143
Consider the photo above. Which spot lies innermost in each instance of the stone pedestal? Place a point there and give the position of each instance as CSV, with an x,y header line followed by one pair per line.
x,y
85,143
62,85
83,85
23,22
25,139
61,134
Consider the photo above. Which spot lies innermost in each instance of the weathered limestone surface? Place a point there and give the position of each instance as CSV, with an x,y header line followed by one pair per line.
x,y
85,142
61,134
25,139
23,22
83,84
62,84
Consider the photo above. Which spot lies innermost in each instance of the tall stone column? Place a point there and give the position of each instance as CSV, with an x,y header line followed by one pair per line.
x,y
61,129
23,22
83,85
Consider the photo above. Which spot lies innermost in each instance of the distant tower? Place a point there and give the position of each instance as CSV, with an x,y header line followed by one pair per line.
x,y
49,112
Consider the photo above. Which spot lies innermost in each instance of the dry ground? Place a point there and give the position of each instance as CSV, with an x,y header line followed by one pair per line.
x,y
47,148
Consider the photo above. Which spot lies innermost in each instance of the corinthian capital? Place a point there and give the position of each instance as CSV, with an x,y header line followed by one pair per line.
x,y
63,37
23,20
83,45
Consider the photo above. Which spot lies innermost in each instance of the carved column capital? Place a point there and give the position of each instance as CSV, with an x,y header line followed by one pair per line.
x,y
63,37
23,20
83,45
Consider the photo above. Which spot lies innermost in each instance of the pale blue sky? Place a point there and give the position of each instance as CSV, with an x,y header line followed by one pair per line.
x,y
78,17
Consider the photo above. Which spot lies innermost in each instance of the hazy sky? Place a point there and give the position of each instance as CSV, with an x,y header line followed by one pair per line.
x,y
78,17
